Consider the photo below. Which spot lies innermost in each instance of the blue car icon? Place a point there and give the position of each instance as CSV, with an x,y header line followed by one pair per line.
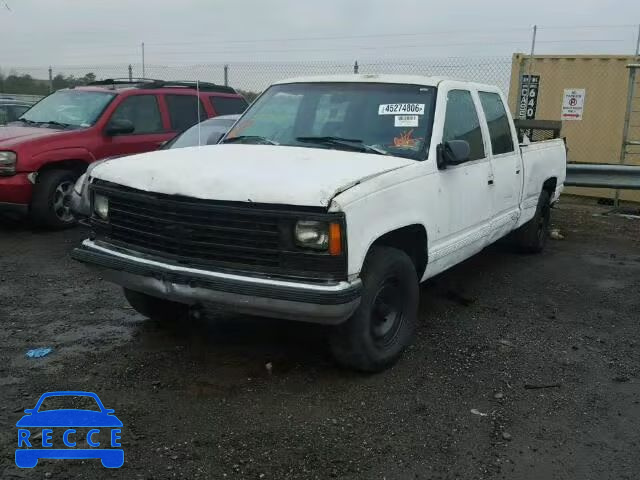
x,y
27,455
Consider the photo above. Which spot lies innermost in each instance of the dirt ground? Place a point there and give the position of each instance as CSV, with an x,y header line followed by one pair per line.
x,y
525,367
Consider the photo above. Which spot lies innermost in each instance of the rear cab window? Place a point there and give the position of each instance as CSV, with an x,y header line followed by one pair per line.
x,y
228,105
183,111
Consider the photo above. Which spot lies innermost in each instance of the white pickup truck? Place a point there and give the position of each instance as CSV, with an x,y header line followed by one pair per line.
x,y
329,201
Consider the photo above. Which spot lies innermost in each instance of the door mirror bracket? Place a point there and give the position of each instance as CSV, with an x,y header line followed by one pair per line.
x,y
453,152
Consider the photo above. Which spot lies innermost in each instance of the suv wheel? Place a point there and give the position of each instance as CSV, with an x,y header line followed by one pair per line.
x,y
158,309
384,324
50,206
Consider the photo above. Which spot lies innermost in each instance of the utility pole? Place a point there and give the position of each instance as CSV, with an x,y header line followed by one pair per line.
x,y
226,75
130,73
143,67
50,79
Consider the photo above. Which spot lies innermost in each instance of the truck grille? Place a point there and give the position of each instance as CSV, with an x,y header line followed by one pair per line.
x,y
226,235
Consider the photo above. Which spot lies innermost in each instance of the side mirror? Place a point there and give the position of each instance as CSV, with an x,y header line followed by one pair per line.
x,y
29,410
453,152
119,126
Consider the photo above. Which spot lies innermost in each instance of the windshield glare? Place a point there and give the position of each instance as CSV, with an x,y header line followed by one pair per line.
x,y
210,132
79,108
392,117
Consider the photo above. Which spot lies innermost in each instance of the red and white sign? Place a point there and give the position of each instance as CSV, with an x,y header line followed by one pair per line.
x,y
573,103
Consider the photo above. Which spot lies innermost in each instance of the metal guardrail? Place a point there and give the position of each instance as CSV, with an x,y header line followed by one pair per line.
x,y
598,175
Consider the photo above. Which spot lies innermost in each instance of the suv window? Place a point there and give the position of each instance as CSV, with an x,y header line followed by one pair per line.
x,y
183,111
142,111
228,105
461,122
498,122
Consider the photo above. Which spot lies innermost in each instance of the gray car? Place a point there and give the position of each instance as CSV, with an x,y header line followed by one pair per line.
x,y
11,110
207,132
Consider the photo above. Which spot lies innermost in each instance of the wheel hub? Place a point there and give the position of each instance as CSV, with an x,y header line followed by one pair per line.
x,y
62,201
387,315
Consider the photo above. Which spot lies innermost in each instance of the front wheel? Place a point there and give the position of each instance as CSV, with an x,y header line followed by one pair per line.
x,y
384,324
50,206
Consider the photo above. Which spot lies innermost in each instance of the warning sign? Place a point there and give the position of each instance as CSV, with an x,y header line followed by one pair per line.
x,y
573,103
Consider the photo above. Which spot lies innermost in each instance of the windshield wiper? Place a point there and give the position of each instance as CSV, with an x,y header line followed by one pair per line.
x,y
50,122
352,143
57,124
249,137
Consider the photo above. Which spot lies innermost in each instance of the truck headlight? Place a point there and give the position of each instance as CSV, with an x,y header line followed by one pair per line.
x,y
8,164
101,206
319,236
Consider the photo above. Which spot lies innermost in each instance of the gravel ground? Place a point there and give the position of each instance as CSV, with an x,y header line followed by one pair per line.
x,y
525,367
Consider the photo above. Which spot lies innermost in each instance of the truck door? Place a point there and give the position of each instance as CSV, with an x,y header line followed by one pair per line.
x,y
506,162
464,191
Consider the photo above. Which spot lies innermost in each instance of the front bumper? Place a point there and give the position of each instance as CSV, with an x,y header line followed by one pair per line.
x,y
15,194
329,304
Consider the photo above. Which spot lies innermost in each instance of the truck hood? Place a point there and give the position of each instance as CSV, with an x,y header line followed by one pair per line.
x,y
12,135
249,173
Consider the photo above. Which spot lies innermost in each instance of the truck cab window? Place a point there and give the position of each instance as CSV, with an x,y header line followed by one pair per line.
x,y
461,122
498,122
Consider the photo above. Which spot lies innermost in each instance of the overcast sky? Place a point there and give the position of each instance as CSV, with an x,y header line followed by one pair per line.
x,y
75,32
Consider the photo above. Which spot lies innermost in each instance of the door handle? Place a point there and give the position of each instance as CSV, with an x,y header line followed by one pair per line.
x,y
517,171
490,182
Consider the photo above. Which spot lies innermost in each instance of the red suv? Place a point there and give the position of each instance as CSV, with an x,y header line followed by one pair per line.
x,y
51,144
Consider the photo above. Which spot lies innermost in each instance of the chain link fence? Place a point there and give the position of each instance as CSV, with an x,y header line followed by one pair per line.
x,y
255,76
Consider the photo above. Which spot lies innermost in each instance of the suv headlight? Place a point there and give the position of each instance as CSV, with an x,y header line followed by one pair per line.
x,y
8,163
319,236
101,206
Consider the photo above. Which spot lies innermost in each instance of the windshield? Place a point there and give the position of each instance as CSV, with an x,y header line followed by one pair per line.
x,y
210,132
376,117
79,108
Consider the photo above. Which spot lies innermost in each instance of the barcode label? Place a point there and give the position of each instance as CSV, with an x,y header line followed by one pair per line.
x,y
406,120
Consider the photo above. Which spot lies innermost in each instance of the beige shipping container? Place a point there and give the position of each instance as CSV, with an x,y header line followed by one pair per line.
x,y
597,137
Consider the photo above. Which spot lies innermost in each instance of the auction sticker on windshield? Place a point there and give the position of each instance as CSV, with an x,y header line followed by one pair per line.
x,y
406,121
399,108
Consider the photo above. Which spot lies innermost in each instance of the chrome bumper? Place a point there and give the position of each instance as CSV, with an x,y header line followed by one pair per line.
x,y
327,304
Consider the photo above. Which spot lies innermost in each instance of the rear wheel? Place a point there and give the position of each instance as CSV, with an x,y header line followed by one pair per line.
x,y
164,311
532,236
50,206
384,324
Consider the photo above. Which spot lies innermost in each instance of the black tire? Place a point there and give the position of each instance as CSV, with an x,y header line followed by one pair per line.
x,y
532,236
384,324
52,197
158,309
